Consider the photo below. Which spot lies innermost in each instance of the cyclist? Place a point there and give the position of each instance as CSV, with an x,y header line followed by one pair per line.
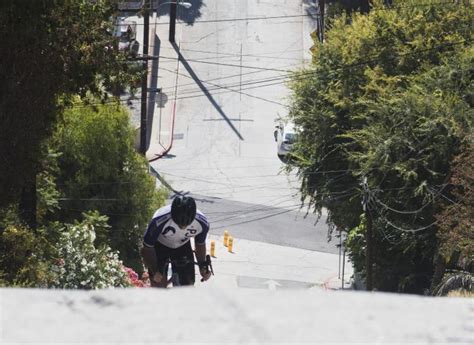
x,y
167,238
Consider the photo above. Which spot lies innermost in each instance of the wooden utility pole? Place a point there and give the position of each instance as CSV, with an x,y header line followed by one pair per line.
x,y
321,5
143,113
173,9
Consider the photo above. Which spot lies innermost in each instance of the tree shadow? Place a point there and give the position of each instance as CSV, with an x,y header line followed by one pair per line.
x,y
186,15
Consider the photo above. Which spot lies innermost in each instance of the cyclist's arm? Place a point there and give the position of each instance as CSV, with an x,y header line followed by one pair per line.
x,y
149,240
149,257
200,252
201,257
200,239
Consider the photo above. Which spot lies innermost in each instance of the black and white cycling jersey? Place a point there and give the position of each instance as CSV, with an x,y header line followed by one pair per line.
x,y
164,230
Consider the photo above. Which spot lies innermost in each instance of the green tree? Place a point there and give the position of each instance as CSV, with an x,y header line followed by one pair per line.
x,y
50,49
387,99
100,170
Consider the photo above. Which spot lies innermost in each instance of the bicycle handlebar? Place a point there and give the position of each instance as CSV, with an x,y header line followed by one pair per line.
x,y
207,264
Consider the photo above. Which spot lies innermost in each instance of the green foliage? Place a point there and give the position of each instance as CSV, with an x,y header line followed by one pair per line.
x,y
80,264
52,49
100,170
47,193
23,257
356,243
389,98
60,255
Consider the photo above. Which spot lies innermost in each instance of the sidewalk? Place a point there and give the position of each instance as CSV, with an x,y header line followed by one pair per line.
x,y
258,265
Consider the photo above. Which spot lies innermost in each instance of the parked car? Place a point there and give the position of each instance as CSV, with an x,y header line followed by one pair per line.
x,y
126,32
285,137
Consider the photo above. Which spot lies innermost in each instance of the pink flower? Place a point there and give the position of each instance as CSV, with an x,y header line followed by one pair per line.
x,y
133,278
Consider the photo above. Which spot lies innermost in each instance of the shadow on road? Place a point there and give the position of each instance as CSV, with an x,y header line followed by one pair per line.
x,y
204,89
152,91
185,15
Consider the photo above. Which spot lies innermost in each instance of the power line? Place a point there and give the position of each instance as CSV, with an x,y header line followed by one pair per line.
x,y
405,229
299,75
256,219
236,91
237,55
391,8
378,201
303,75
393,225
226,77
221,64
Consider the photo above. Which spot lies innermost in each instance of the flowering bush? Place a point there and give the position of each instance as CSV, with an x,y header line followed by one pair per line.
x,y
81,265
133,278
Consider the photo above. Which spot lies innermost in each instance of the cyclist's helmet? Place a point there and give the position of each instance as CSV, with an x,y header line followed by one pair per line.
x,y
183,210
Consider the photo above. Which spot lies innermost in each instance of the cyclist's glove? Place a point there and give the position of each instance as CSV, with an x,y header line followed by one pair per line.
x,y
207,265
204,265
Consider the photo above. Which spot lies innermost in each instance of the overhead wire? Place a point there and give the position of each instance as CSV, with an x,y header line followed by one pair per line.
x,y
300,75
232,90
311,15
382,217
281,80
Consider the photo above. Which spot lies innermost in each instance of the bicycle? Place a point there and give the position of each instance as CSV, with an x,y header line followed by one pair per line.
x,y
173,278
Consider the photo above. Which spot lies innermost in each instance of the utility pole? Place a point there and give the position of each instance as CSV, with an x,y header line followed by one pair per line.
x,y
343,263
173,9
368,238
321,5
143,113
340,253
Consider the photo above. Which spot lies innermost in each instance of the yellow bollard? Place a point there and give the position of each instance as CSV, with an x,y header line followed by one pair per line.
x,y
226,237
213,249
230,244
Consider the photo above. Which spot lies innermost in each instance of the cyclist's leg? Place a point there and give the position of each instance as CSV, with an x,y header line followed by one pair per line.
x,y
163,254
183,264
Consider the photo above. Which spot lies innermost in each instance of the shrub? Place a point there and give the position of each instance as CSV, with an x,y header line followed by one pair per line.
x,y
22,257
99,170
81,265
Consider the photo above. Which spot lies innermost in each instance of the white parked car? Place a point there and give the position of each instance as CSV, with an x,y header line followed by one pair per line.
x,y
126,32
285,137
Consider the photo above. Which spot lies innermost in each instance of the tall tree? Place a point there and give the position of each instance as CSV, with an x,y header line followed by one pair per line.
x,y
387,99
50,49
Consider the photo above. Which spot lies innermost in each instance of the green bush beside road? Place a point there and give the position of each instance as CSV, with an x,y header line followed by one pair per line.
x,y
388,100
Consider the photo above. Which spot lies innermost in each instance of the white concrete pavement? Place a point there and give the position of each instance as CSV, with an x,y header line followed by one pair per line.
x,y
219,316
259,265
248,301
